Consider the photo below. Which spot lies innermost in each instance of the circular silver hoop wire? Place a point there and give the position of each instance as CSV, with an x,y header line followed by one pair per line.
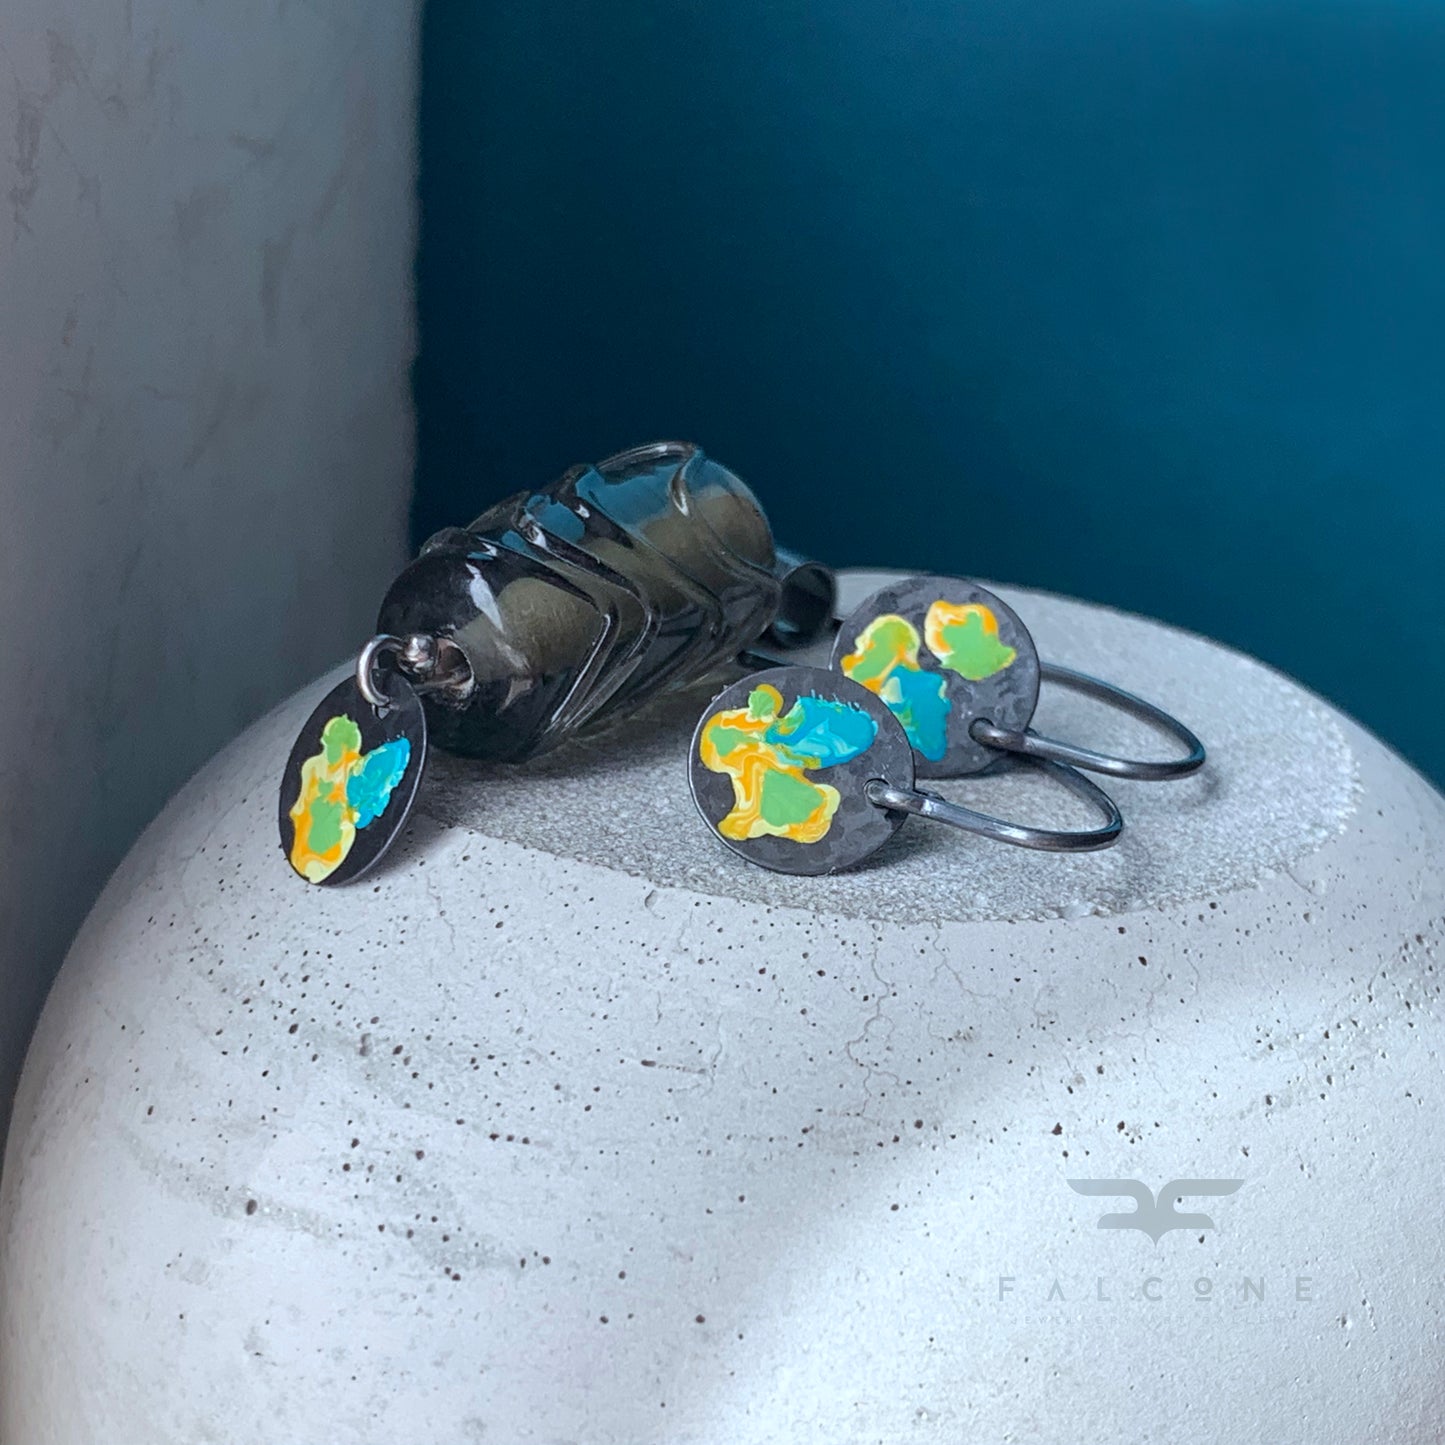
x,y
368,669
428,665
1030,744
1046,840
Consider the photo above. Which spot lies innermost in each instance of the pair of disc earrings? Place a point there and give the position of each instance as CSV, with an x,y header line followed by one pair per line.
x,y
810,770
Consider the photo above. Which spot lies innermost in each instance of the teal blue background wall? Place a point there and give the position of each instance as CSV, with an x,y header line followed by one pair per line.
x,y
1139,301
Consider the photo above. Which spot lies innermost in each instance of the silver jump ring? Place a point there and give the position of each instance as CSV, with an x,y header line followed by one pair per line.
x,y
1028,743
1048,840
368,670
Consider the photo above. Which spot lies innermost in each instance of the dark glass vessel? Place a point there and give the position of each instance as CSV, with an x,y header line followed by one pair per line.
x,y
572,604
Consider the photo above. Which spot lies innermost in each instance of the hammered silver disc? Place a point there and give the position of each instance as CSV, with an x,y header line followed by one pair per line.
x,y
942,652
350,781
779,763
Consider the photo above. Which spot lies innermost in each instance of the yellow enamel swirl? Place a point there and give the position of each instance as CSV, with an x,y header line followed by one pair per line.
x,y
766,753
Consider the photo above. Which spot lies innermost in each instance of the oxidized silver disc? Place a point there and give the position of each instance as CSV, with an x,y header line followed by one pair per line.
x,y
779,763
350,781
942,652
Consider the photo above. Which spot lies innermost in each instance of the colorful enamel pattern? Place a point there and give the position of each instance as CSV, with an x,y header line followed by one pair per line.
x,y
941,652
350,781
779,763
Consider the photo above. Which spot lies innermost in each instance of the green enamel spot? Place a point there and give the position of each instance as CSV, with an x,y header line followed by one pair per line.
x,y
326,819
762,702
726,739
786,800
973,651
339,734
885,643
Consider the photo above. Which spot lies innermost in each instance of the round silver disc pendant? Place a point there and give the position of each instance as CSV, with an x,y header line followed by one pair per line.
x,y
350,781
779,762
942,652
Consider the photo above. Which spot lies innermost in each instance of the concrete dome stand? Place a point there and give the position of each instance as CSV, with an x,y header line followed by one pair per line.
x,y
568,1126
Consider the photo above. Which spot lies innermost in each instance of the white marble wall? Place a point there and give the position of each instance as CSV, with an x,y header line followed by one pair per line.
x,y
207,226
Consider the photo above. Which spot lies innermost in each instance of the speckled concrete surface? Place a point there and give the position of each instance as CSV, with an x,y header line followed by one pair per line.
x,y
593,1137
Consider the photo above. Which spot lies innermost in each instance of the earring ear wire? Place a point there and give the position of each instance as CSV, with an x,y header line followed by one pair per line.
x,y
960,670
802,770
